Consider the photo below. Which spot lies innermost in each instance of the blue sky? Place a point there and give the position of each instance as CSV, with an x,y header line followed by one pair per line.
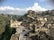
x,y
18,3
22,6
24,3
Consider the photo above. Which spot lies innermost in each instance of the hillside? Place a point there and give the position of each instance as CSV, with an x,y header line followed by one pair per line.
x,y
41,19
41,24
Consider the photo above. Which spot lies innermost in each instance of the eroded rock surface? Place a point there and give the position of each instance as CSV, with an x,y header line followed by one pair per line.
x,y
35,26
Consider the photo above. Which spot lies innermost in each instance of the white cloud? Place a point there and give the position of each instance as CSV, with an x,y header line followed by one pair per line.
x,y
35,7
6,8
9,8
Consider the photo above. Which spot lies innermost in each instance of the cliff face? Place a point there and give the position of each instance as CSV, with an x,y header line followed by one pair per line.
x,y
39,24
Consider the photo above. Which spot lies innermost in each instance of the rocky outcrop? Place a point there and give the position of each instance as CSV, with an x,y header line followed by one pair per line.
x,y
36,25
